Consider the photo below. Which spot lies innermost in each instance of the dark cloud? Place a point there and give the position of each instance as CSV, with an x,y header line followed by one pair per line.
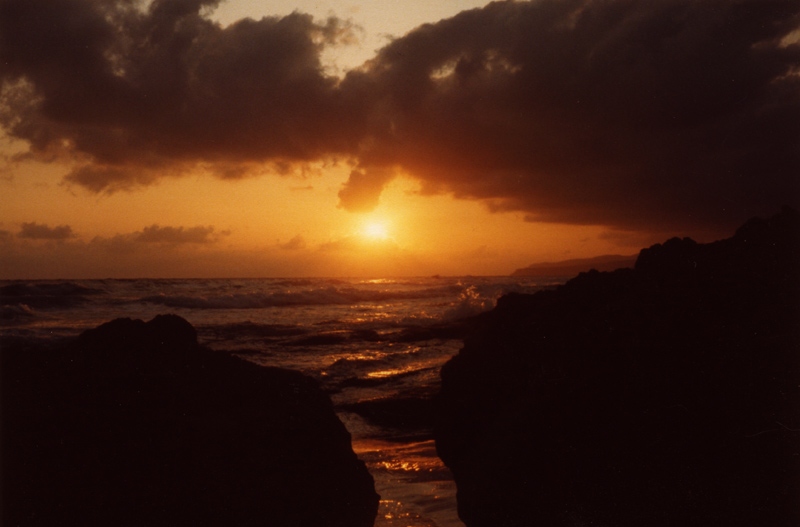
x,y
630,114
666,114
38,231
135,94
363,188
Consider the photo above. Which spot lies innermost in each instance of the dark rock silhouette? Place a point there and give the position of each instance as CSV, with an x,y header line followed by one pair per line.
x,y
135,424
664,395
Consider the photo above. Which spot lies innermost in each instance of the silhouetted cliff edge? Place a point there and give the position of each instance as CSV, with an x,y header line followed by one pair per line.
x,y
662,395
135,424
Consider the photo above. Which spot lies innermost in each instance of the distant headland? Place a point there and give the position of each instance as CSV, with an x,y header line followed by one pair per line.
x,y
607,262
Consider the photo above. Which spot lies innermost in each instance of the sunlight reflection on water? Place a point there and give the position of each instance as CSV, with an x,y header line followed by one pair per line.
x,y
427,495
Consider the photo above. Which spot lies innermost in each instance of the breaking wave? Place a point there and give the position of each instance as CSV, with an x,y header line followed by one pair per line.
x,y
15,312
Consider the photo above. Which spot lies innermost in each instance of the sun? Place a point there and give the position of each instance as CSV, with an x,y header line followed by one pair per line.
x,y
375,230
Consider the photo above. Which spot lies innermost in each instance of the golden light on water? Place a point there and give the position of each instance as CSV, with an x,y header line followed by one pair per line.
x,y
381,374
427,488
405,466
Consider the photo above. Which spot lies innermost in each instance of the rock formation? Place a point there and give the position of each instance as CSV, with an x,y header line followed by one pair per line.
x,y
135,424
664,395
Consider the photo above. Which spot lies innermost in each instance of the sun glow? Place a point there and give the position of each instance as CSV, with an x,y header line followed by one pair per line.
x,y
375,230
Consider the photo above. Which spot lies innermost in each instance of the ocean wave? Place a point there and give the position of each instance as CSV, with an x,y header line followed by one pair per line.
x,y
251,329
46,294
297,282
16,312
360,361
470,302
311,297
326,338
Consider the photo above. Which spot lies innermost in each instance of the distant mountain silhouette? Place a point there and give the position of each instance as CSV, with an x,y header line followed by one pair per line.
x,y
608,262
664,395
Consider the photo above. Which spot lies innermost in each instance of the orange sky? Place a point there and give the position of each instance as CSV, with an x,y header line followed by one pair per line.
x,y
447,186
272,226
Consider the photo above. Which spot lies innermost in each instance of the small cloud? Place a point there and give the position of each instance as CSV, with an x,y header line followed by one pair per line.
x,y
362,191
294,244
177,235
37,231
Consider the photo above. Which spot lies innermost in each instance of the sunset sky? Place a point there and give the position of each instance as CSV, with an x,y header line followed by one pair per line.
x,y
245,138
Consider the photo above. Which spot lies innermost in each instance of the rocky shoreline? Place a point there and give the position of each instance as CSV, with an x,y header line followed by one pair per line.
x,y
662,395
135,424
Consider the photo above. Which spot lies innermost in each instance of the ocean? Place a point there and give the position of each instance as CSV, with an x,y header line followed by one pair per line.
x,y
365,340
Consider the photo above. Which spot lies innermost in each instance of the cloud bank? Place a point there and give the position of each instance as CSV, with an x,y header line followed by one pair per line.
x,y
161,237
176,235
132,95
191,252
40,251
39,231
635,115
